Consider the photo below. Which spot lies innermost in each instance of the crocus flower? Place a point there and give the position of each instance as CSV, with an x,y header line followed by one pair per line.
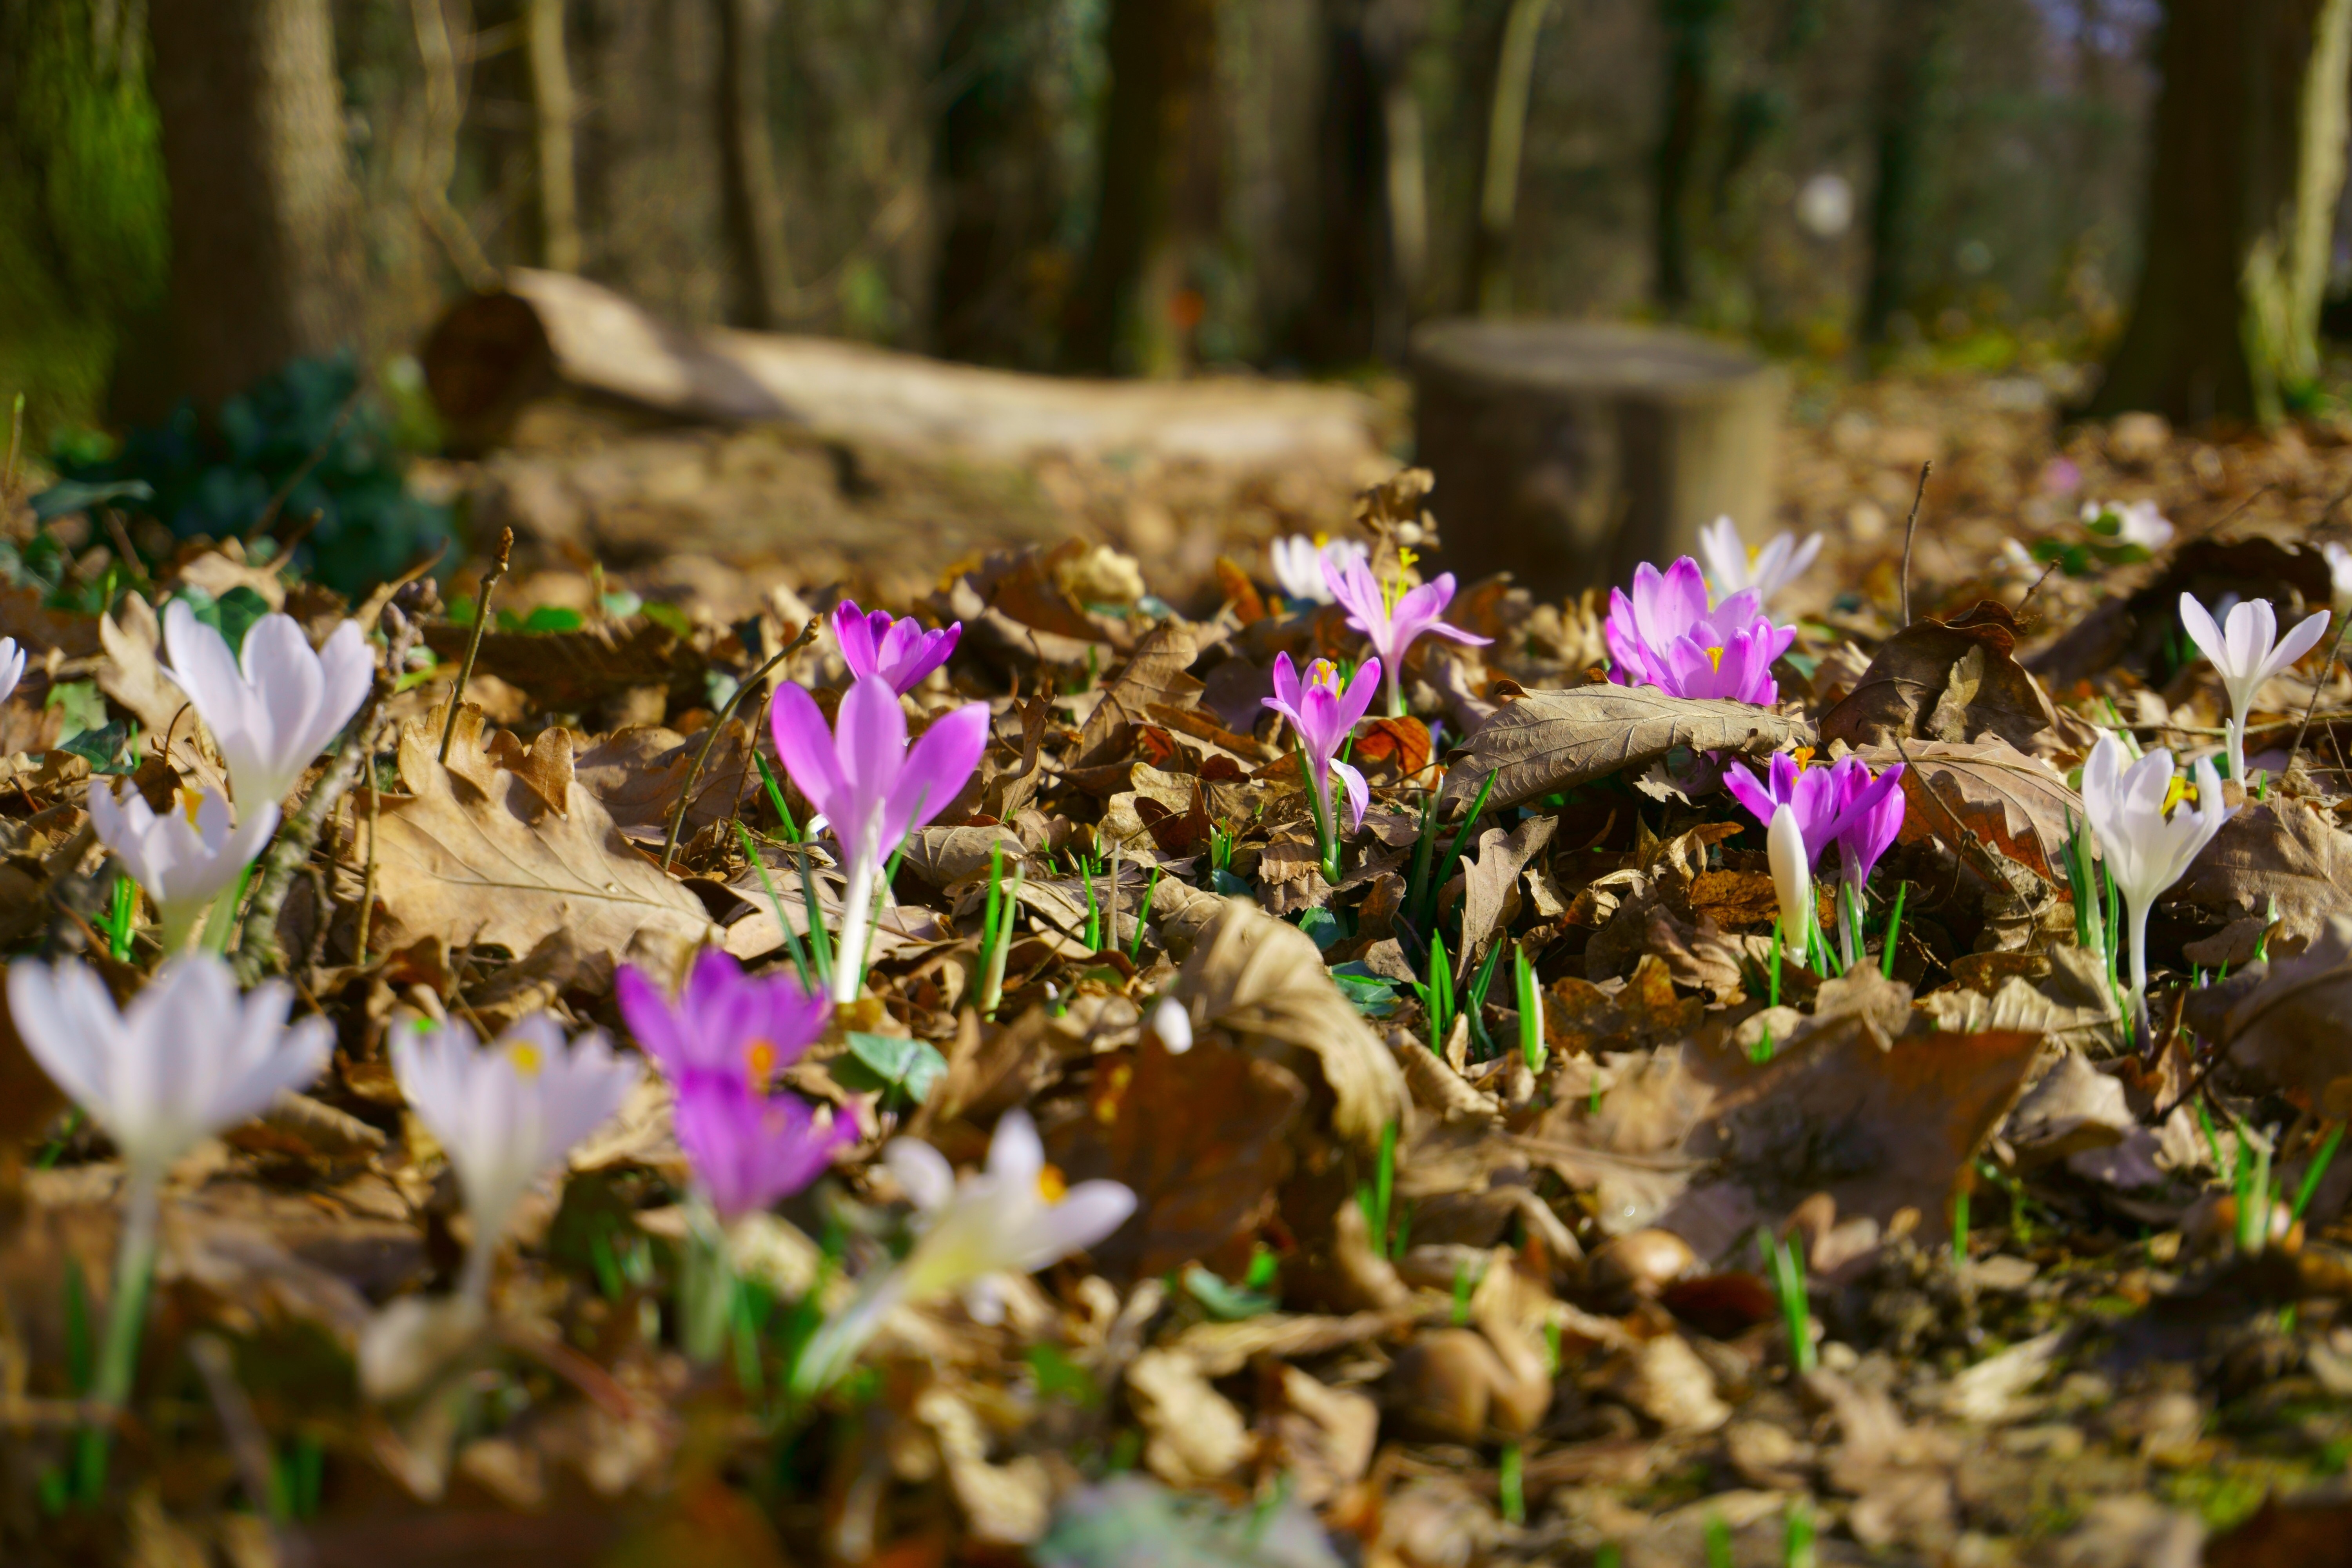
x,y
2339,575
188,1057
1391,615
1013,1218
1664,635
12,666
184,858
274,712
873,788
2246,655
724,1024
1872,818
2146,851
1792,877
749,1147
1173,1025
1840,804
2131,522
1325,715
1731,566
1298,565
900,651
507,1114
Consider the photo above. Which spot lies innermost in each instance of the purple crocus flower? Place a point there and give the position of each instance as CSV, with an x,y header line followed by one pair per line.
x,y
900,651
1664,635
749,1147
873,788
1392,615
1325,716
724,1024
1841,805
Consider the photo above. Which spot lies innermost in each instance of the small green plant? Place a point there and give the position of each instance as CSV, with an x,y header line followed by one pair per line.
x,y
1532,1050
1510,1484
1784,1265
2319,1163
1894,932
1436,994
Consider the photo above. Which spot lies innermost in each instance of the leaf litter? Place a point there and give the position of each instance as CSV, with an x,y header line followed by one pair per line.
x,y
1514,1195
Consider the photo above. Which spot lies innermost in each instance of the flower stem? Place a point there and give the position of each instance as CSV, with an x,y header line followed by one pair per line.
x,y
118,1362
706,1289
2138,914
2237,732
856,915
1394,675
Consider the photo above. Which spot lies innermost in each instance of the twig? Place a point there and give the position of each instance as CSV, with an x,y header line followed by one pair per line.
x,y
474,643
367,878
1910,529
260,525
717,723
249,1445
2018,614
2332,654
2230,516
1970,840
258,949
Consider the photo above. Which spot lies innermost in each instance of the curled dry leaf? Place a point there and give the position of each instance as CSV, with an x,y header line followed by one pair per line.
x,y
501,867
1954,680
1153,677
1490,882
2018,804
2278,850
638,772
1549,740
568,671
2287,1023
1193,1433
1264,982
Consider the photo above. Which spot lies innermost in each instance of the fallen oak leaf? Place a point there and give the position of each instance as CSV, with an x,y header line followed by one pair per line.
x,y
1549,740
499,868
1990,792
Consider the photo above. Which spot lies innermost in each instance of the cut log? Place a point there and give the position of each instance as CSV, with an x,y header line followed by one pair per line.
x,y
1567,452
545,333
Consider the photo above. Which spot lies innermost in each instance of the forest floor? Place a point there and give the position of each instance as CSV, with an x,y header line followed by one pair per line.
x,y
1929,1262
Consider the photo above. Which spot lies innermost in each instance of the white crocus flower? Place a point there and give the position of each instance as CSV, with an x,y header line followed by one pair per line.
x,y
12,666
2339,574
1793,878
1298,565
2136,522
2146,851
272,713
1173,1025
188,1057
184,858
1731,566
508,1114
1013,1218
2249,652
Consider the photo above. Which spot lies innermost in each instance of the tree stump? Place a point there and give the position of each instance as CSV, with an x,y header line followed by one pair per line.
x,y
1567,452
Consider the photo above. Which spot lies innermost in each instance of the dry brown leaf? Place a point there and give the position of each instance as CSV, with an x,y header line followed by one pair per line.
x,y
2287,1023
565,672
637,774
1549,740
499,869
1153,675
2280,849
1954,680
1201,1139
1264,982
1323,1435
2019,805
1490,882
1195,1434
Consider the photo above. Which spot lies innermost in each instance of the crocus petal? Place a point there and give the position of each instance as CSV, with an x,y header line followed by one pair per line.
x,y
1360,793
923,1173
804,744
2198,625
1792,881
1744,789
1360,691
1088,1212
1016,1157
870,739
2299,640
853,633
936,770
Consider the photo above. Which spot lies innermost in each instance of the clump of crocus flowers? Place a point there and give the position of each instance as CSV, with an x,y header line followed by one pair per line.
x,y
720,1044
1325,713
2150,826
1805,809
1666,634
1732,566
1391,611
2246,650
1298,565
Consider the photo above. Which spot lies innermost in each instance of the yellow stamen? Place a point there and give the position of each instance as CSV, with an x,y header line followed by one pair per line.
x,y
525,1057
1714,657
2178,790
759,1057
1802,756
1407,558
1323,672
190,800
1321,539
1050,1185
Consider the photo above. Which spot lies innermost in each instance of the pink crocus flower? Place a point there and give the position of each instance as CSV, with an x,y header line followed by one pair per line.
x,y
1840,804
1325,715
900,651
749,1147
1664,635
873,788
1391,615
724,1023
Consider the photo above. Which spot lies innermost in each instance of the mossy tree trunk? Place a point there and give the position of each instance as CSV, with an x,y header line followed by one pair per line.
x,y
2249,162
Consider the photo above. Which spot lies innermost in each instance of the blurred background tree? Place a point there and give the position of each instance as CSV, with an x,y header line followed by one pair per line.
x,y
1149,186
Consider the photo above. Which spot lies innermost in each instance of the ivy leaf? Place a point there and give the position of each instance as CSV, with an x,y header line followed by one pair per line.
x,y
884,1063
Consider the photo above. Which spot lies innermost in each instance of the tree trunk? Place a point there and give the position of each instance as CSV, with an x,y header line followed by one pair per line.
x,y
1370,219
1158,121
552,110
2250,133
265,218
1567,452
1911,72
1692,29
760,272
1001,186
1489,273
